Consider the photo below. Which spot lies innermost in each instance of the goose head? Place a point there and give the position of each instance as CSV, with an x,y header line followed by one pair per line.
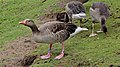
x,y
30,23
103,25
27,22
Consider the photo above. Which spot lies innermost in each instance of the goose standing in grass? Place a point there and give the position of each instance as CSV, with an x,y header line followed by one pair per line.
x,y
99,13
75,10
51,32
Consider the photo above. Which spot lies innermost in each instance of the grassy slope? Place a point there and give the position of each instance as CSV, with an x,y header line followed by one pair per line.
x,y
80,50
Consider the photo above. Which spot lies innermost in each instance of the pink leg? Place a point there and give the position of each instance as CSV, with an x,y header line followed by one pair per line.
x,y
62,53
49,53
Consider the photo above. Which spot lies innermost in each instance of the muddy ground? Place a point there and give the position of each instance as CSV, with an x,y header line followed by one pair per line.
x,y
16,50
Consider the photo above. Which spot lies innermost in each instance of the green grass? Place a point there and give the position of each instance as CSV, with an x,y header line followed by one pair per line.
x,y
80,50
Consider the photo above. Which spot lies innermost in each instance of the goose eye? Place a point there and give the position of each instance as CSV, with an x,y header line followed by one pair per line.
x,y
29,20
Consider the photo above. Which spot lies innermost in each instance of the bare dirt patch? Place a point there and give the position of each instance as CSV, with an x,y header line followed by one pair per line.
x,y
16,50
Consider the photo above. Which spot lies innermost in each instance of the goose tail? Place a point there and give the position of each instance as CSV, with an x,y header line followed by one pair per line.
x,y
78,30
80,15
70,27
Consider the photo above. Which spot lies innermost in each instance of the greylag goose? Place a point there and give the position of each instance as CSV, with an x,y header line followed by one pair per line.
x,y
51,32
99,13
75,10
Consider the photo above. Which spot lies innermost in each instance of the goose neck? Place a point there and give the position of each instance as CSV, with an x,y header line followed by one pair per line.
x,y
34,29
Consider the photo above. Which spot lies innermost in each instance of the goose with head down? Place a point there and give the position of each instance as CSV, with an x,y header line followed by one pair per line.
x,y
75,10
51,32
99,12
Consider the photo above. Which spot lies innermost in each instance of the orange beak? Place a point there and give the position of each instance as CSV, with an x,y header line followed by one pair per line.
x,y
23,22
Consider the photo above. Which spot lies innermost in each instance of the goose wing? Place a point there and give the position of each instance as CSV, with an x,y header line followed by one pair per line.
x,y
75,7
53,26
60,31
